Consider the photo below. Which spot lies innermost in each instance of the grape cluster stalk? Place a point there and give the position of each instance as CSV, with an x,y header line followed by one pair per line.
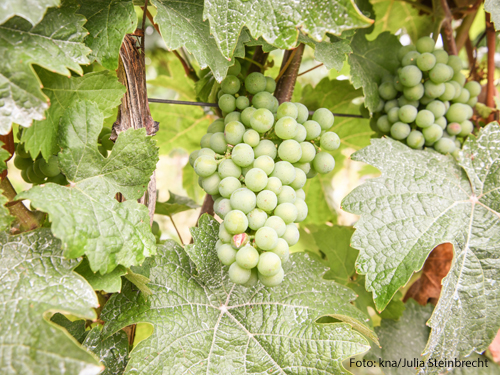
x,y
428,101
36,170
254,162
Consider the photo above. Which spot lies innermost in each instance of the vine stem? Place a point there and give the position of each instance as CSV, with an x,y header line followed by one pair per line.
x,y
177,230
290,68
258,61
491,44
447,29
287,64
310,70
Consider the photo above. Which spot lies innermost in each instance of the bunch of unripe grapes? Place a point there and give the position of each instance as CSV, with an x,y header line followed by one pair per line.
x,y
254,162
38,171
428,102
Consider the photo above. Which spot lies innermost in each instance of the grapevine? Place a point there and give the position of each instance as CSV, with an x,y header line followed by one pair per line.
x,y
254,163
428,101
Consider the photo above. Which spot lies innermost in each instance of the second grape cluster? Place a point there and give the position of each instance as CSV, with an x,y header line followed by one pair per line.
x,y
428,102
254,162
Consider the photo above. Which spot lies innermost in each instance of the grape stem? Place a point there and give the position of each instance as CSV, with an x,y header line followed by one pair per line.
x,y
177,230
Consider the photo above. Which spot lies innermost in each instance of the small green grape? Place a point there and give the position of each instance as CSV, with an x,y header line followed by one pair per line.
x,y
235,222
256,179
226,254
235,69
437,108
270,85
463,97
22,163
387,91
407,113
425,118
466,128
445,146
227,103
205,141
442,122
233,132
282,250
255,82
242,102
222,208
269,263
330,141
415,139
227,168
474,88
472,102
263,99
426,61
287,195
275,185
264,162
460,78
302,210
324,118
454,128
390,105
267,200
256,218
251,138
246,116
458,112
300,178
400,130
410,76
238,275
291,235
290,150
441,56
414,93
434,90
308,152
393,115
410,58
402,101
217,126
285,171
287,211
205,166
313,129
224,235
301,133
302,113
432,133
323,162
218,143
228,185
449,92
211,184
262,120
242,155
230,85
404,50
287,109
243,200
277,224
439,73
455,63
266,147
383,124
271,281
425,44
286,128
266,238
247,257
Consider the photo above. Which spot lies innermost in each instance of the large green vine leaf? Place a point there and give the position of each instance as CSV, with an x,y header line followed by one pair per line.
x,y
279,21
107,22
36,279
370,61
32,10
102,88
55,44
205,324
86,215
112,350
393,15
424,199
181,24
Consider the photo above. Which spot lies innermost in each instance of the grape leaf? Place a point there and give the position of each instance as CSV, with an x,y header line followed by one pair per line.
x,y
174,205
37,279
102,88
370,61
331,52
319,200
424,199
86,215
109,283
32,10
55,44
492,7
393,15
403,339
181,24
203,322
75,329
107,22
112,350
5,218
279,21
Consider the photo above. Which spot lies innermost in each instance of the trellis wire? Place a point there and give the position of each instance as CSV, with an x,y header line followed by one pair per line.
x,y
203,104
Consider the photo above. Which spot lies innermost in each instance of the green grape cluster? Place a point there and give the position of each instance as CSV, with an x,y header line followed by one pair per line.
x,y
428,101
38,171
254,162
